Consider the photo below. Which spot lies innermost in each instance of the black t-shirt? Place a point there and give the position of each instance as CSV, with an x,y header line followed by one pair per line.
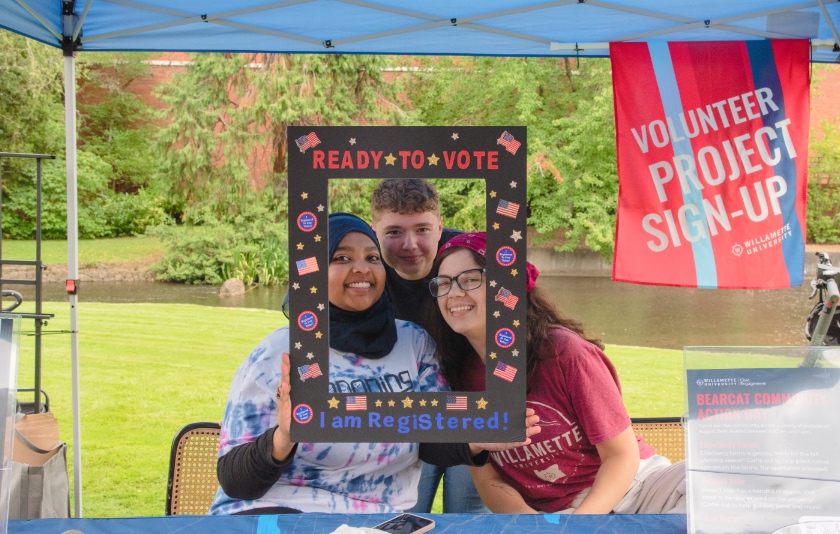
x,y
410,297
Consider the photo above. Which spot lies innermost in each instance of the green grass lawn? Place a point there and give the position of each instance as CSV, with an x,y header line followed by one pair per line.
x,y
651,380
91,251
146,370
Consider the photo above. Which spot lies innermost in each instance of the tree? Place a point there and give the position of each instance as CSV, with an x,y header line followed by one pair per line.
x,y
567,108
824,186
114,123
583,202
32,121
229,110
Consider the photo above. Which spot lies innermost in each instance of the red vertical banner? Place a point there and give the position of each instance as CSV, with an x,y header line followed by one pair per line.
x,y
712,143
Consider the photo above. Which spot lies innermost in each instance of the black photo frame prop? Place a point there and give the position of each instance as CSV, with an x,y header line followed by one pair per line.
x,y
497,155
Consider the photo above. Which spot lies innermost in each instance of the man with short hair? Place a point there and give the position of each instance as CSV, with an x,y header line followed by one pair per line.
x,y
407,221
406,218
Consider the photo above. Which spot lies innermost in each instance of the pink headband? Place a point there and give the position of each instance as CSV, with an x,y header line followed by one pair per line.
x,y
477,241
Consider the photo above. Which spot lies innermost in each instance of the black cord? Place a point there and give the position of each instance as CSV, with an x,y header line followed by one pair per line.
x,y
51,332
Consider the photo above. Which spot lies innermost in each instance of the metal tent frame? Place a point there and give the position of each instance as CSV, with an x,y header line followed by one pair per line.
x,y
438,27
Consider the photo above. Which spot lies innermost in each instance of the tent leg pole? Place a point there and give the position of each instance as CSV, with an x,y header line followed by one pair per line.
x,y
73,267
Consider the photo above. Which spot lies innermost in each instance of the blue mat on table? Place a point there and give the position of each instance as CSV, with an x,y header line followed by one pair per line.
x,y
326,523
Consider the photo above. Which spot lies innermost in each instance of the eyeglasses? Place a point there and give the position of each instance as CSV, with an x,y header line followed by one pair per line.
x,y
467,280
285,305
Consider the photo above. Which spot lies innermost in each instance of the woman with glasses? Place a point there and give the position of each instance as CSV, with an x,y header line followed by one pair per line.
x,y
261,471
586,459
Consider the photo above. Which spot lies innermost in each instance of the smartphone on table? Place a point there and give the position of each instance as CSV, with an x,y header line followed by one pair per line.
x,y
406,524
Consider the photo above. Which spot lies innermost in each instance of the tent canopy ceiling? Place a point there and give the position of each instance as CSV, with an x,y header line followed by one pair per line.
x,y
436,27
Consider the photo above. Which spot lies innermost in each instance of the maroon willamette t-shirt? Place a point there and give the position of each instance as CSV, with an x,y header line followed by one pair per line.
x,y
576,393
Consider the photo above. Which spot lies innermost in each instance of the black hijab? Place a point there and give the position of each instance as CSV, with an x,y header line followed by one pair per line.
x,y
371,333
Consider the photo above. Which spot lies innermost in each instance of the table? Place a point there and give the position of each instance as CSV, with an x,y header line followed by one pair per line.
x,y
325,523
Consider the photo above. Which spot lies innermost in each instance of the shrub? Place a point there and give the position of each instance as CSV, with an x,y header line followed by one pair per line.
x,y
131,214
824,186
195,255
250,246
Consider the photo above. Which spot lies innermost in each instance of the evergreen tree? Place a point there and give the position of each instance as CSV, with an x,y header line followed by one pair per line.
x,y
229,110
567,108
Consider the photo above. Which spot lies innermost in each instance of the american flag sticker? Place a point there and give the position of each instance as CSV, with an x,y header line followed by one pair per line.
x,y
308,141
309,371
507,298
507,140
505,371
358,402
508,209
456,402
309,265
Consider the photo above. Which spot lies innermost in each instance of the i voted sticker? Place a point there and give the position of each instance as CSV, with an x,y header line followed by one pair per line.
x,y
302,413
307,221
307,321
506,256
505,337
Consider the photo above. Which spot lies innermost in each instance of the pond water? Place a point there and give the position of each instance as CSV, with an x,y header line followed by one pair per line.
x,y
619,313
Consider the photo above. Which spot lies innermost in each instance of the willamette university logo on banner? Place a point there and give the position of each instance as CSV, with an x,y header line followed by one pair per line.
x,y
712,144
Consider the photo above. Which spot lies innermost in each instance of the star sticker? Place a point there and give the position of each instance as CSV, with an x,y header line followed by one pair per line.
x,y
516,322
320,307
495,226
300,246
378,403
513,185
492,283
514,272
352,140
298,345
433,159
320,207
313,290
317,239
422,402
407,402
309,355
496,314
318,335
390,159
514,352
516,236
434,402
482,404
391,403
333,402
304,196
454,137
492,194
492,355
295,286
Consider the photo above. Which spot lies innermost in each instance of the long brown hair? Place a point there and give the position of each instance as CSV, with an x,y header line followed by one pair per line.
x,y
541,316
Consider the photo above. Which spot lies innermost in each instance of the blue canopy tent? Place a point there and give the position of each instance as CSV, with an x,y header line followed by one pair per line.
x,y
555,28
437,27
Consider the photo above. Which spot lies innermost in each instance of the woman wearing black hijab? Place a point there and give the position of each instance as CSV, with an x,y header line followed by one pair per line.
x,y
262,471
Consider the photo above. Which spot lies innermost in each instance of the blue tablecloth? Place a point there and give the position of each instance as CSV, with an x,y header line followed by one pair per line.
x,y
326,523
